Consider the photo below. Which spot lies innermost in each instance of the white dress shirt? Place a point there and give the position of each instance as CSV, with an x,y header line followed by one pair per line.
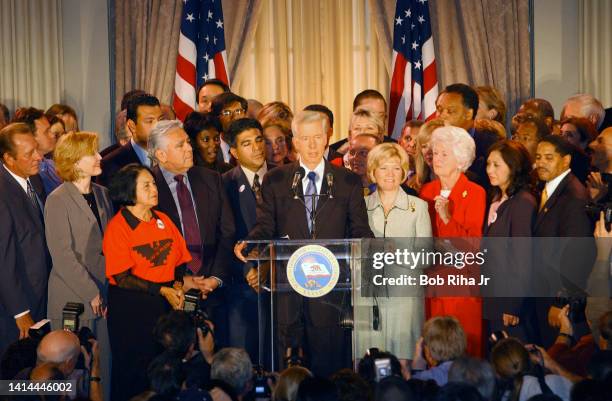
x,y
552,185
319,170
251,175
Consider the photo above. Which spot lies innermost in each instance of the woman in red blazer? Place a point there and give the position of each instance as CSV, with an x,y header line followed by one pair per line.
x,y
457,208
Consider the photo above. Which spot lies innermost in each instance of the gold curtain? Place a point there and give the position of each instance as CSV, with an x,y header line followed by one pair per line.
x,y
595,30
477,42
31,32
313,51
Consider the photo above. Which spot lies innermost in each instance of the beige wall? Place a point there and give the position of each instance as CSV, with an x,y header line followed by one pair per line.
x,y
556,54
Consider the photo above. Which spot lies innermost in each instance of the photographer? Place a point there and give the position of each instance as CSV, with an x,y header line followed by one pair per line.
x,y
232,368
601,160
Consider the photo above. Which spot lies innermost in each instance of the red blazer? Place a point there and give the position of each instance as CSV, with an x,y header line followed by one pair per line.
x,y
467,208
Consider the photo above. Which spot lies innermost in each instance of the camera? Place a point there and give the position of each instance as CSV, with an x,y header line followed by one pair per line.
x,y
594,209
261,388
577,306
383,368
70,321
39,330
192,306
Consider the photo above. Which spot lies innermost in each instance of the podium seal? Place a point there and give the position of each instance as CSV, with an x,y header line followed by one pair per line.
x,y
313,271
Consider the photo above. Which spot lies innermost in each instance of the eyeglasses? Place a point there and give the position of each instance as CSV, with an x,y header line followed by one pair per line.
x,y
237,112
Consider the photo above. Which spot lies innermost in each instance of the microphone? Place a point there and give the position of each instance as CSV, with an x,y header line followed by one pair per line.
x,y
330,183
297,176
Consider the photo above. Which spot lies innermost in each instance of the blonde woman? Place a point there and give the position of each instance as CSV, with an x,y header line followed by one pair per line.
x,y
424,156
394,214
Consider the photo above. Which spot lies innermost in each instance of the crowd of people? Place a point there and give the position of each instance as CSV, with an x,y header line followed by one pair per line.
x,y
150,237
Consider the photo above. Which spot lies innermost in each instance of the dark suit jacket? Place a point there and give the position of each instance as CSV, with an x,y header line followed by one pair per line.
x,y
114,161
564,215
483,141
214,217
281,215
25,260
607,122
109,149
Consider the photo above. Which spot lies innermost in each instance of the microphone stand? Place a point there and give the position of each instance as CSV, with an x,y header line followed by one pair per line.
x,y
312,214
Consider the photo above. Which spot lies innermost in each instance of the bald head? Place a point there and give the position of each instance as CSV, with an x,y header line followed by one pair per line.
x,y
58,347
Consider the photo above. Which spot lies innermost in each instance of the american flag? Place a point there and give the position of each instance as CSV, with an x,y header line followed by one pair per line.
x,y
201,53
414,83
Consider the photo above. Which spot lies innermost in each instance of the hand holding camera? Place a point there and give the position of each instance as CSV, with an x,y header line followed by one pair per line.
x,y
175,297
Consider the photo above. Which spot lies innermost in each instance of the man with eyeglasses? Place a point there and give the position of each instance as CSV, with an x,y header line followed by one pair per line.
x,y
228,107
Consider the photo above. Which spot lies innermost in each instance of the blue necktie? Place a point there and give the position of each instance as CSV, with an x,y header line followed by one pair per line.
x,y
310,197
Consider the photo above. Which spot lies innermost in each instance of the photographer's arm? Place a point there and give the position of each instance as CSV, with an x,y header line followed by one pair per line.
x,y
95,381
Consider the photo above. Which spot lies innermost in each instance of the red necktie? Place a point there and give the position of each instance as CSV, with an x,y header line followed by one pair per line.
x,y
191,231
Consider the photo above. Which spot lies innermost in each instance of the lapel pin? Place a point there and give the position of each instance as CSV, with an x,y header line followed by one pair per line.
x,y
464,194
160,224
412,207
241,189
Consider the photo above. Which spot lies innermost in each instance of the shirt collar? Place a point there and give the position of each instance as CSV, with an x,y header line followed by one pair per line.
x,y
401,200
251,175
552,185
319,170
23,183
141,153
168,176
134,221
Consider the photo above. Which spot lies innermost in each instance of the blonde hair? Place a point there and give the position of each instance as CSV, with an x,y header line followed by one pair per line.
x,y
444,337
71,148
422,170
373,118
289,382
493,99
275,113
383,152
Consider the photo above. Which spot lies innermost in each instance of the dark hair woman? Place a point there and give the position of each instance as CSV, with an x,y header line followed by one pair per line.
x,y
204,131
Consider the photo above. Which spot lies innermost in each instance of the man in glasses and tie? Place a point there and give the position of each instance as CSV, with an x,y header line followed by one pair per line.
x,y
23,251
312,325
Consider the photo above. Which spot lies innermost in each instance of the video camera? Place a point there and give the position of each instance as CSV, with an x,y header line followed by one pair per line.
x,y
261,388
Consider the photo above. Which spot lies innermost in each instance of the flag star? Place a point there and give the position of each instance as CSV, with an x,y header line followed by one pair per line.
x,y
403,40
206,57
417,65
422,1
398,21
214,40
190,17
207,38
408,13
421,19
210,15
219,24
415,45
205,77
411,26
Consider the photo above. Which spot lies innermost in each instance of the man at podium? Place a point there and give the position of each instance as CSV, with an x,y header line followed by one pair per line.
x,y
311,199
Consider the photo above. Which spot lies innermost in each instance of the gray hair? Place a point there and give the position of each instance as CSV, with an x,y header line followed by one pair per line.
x,y
461,143
589,105
157,136
307,117
475,372
233,367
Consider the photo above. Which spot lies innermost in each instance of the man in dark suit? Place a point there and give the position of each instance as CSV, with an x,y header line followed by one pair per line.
x,y
143,113
313,325
586,106
25,266
195,200
243,188
457,105
563,266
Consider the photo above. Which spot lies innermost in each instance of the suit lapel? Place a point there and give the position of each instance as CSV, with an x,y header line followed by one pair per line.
x,y
552,200
77,198
201,195
166,198
103,210
246,198
21,198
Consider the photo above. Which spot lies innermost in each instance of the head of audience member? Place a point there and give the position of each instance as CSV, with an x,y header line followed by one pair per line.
x,y
166,375
365,122
246,141
459,392
39,124
134,185
228,107
317,389
540,109
388,166
310,137
373,101
600,366
208,91
359,148
328,113
176,333
394,388
424,155
457,105
578,131
19,150
5,116
277,138
169,147
168,112
278,113
491,127
605,331
255,107
143,113
288,382
204,131
491,105
585,106
128,96
76,156
510,360
407,139
443,340
61,347
529,131
553,157
67,114
475,372
17,357
122,134
454,151
601,151
350,386
508,168
57,126
233,367
367,365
